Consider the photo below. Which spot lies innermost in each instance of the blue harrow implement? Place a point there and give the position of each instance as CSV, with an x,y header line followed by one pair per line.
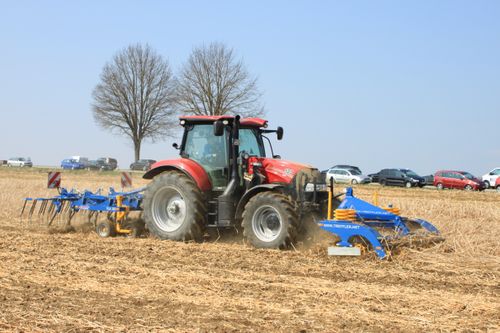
x,y
116,206
358,223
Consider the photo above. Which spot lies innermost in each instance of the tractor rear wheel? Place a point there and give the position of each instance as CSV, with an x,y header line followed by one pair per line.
x,y
174,207
270,221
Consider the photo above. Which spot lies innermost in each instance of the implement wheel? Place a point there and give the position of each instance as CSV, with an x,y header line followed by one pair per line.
x,y
174,207
270,221
105,229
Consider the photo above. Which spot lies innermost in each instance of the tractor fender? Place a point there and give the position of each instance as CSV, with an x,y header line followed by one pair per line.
x,y
186,166
250,193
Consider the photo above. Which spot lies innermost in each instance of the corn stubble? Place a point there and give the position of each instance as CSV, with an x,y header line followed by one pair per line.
x,y
52,280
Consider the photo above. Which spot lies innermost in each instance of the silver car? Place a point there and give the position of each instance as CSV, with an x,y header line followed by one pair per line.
x,y
19,162
350,176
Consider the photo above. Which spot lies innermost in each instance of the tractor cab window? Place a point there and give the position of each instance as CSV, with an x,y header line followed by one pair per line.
x,y
249,143
209,151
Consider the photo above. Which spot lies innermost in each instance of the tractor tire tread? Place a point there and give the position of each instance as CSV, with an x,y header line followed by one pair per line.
x,y
287,207
193,194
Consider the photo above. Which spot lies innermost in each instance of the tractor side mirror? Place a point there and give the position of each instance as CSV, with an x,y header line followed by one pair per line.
x,y
279,133
175,145
218,128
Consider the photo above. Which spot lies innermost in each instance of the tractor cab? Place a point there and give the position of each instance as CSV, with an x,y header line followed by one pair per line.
x,y
208,142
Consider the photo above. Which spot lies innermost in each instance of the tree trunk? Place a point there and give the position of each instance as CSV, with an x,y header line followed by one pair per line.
x,y
137,150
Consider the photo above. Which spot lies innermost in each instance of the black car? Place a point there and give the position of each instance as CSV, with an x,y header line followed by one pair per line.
x,y
143,165
400,177
112,162
429,180
100,165
374,177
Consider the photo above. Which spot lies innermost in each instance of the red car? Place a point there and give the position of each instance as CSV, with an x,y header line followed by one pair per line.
x,y
457,179
497,184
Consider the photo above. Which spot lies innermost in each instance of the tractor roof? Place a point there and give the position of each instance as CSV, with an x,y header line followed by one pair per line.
x,y
256,122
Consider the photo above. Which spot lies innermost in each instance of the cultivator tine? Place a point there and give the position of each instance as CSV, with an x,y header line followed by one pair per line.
x,y
32,209
92,217
24,207
43,207
71,214
53,215
49,211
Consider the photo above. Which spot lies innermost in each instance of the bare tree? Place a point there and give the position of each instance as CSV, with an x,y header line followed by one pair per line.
x,y
214,82
135,95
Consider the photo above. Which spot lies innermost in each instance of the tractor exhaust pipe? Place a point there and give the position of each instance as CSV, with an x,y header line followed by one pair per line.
x,y
226,203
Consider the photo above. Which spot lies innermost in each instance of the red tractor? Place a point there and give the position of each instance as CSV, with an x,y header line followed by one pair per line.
x,y
224,179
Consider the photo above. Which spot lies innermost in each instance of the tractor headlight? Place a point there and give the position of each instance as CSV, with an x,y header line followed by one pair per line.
x,y
319,187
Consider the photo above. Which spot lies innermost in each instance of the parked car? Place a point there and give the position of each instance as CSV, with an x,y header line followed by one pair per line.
x,y
346,167
100,165
458,180
374,177
112,162
351,176
400,177
497,184
82,160
143,165
491,177
19,162
429,180
72,164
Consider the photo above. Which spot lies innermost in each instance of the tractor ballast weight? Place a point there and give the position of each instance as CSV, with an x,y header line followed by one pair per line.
x,y
223,179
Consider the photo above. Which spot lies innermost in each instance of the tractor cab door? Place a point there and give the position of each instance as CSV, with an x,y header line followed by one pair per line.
x,y
251,143
210,151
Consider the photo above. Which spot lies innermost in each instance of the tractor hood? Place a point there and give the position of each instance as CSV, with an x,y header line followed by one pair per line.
x,y
282,171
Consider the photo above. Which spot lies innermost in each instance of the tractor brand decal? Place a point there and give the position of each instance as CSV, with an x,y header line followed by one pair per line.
x,y
126,179
54,179
288,172
346,226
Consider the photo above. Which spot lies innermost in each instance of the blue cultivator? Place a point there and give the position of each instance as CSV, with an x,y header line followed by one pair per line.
x,y
116,205
356,220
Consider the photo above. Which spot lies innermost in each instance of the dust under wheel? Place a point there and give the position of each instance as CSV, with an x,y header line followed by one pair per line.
x,y
137,228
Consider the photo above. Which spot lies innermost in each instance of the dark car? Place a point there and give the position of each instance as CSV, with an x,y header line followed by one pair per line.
x,y
429,180
99,164
400,177
111,162
143,165
374,177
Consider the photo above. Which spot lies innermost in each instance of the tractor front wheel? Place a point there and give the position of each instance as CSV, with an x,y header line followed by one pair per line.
x,y
174,207
270,221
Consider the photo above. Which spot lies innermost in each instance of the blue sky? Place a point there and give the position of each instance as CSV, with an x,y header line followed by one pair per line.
x,y
373,83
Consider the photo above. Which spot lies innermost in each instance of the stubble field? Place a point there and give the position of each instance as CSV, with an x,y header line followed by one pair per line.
x,y
54,281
